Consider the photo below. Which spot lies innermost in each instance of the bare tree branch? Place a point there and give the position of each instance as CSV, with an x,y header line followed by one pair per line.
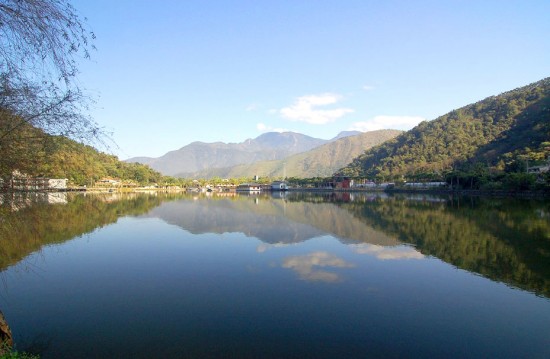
x,y
41,42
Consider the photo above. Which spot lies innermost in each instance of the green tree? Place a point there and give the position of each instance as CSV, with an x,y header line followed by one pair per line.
x,y
493,132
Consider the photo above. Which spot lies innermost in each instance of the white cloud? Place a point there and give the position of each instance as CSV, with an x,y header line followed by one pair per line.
x,y
305,109
252,107
262,127
387,122
389,253
368,88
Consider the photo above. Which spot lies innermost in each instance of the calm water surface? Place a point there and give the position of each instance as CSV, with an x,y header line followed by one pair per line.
x,y
293,276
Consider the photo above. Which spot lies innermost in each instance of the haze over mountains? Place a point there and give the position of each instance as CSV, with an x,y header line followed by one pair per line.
x,y
199,155
266,155
321,161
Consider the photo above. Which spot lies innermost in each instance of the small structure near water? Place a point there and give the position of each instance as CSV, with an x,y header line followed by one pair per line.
x,y
249,187
23,182
341,182
279,186
539,169
423,185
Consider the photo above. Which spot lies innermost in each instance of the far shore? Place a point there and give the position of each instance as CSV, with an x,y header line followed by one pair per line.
x,y
394,190
435,191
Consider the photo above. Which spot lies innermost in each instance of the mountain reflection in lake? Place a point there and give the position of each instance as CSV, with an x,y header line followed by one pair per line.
x,y
295,275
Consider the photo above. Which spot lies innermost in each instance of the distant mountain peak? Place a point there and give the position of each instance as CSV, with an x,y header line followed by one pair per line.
x,y
346,134
200,155
318,162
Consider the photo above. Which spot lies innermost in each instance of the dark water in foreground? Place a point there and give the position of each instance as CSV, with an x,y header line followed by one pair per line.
x,y
304,276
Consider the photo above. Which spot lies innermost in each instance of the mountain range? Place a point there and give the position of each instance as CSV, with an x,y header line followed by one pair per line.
x,y
321,161
494,132
272,154
199,156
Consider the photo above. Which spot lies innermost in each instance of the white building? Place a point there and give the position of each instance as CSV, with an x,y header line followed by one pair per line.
x,y
249,187
57,183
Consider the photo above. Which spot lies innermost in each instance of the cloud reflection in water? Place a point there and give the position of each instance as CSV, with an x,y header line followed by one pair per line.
x,y
307,266
388,253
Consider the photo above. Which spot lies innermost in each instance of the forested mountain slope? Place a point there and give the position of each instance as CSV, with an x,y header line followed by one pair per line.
x,y
495,132
318,162
33,152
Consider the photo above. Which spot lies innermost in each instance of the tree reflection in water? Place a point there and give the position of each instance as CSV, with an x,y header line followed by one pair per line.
x,y
506,240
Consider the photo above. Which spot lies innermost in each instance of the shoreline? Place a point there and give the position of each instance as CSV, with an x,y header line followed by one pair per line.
x,y
467,192
477,193
474,193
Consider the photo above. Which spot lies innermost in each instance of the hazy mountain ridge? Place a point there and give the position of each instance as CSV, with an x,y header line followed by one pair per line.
x,y
318,162
200,155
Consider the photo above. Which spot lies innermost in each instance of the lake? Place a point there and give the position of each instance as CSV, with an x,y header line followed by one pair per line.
x,y
289,275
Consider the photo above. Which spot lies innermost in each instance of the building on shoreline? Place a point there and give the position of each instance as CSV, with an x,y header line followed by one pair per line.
x,y
279,186
249,187
22,182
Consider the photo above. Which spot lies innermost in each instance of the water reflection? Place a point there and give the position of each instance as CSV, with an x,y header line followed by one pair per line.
x,y
388,253
301,275
308,266
29,221
270,220
503,239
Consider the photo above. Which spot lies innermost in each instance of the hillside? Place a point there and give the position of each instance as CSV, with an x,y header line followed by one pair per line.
x,y
200,156
82,164
319,162
31,151
495,132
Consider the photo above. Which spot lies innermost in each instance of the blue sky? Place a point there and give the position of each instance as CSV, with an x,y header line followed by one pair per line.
x,y
167,73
